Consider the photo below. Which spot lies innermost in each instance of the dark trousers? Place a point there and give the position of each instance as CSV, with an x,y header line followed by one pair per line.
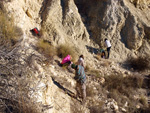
x,y
108,51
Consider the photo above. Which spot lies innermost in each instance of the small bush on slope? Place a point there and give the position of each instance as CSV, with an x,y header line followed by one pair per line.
x,y
44,47
122,89
140,63
64,50
118,82
9,33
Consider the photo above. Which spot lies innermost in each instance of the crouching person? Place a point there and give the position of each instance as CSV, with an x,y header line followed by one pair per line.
x,y
80,77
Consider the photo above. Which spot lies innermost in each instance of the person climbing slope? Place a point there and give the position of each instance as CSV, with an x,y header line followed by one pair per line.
x,y
108,45
80,78
81,60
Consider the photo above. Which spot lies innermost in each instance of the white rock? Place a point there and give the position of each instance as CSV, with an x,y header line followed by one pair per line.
x,y
123,109
138,106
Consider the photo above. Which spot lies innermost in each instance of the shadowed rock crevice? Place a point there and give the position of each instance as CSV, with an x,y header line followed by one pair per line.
x,y
45,9
92,14
65,7
147,33
132,33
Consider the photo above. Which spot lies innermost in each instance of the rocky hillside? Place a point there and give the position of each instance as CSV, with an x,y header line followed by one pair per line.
x,y
32,80
126,23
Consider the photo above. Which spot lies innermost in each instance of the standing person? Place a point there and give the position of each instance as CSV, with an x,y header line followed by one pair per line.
x,y
108,45
81,60
80,77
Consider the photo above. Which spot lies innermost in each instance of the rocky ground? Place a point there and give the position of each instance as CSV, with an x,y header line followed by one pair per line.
x,y
97,95
31,83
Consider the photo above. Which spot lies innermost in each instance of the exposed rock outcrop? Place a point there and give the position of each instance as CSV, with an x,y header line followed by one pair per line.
x,y
118,21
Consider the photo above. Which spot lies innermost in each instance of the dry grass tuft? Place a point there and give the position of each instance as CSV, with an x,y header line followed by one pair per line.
x,y
20,106
97,108
124,88
9,33
143,100
140,63
94,73
98,57
119,82
46,48
90,91
64,50
77,107
105,64
87,68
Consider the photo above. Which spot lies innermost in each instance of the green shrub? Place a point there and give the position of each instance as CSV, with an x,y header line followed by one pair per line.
x,y
140,63
64,50
9,33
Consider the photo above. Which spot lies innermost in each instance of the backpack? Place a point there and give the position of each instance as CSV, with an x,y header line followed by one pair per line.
x,y
80,74
36,31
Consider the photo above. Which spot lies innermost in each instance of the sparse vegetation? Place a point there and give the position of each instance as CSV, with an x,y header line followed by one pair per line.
x,y
64,50
46,48
90,91
77,108
9,33
97,108
87,68
98,57
124,88
121,83
105,64
15,97
140,63
93,72
144,110
143,101
20,106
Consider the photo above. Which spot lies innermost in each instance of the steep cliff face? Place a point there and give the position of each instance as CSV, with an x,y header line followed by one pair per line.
x,y
62,22
125,23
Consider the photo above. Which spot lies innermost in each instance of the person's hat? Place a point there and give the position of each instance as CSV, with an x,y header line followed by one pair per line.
x,y
73,66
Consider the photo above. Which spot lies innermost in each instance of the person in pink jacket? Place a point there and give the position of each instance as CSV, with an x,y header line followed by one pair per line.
x,y
66,60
